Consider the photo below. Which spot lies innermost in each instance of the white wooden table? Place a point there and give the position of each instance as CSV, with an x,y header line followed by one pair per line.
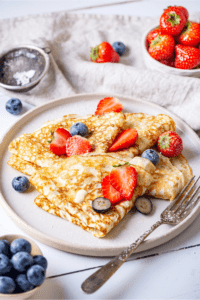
x,y
170,271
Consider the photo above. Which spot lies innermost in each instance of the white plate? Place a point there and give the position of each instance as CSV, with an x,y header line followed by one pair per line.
x,y
62,234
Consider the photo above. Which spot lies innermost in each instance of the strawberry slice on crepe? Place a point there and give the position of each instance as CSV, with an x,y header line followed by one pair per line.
x,y
108,104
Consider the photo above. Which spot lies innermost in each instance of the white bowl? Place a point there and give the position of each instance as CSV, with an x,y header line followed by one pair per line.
x,y
155,65
35,250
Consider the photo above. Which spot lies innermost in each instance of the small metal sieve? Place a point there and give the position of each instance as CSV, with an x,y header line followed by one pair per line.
x,y
22,67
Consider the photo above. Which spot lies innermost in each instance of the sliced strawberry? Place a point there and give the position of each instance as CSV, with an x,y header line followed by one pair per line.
x,y
58,144
127,138
109,191
77,145
124,180
109,104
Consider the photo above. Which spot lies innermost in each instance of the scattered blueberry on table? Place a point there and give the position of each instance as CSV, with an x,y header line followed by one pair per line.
x,y
14,106
119,47
151,155
79,129
20,183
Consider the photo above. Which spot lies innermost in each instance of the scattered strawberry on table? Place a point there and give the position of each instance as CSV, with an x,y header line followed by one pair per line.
x,y
170,144
165,43
103,53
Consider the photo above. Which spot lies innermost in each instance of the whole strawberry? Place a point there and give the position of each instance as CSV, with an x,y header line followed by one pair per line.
x,y
190,36
170,144
186,57
162,47
153,34
182,9
103,53
168,62
172,21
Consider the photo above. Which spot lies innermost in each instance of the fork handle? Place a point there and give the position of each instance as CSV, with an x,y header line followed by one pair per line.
x,y
97,279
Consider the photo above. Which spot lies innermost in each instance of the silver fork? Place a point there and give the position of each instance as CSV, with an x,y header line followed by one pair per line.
x,y
175,212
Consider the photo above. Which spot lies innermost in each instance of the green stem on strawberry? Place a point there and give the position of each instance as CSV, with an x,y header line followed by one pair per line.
x,y
94,53
174,19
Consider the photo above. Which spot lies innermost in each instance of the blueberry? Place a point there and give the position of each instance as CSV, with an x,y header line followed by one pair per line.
x,y
36,275
19,245
151,155
20,184
14,106
21,261
23,283
119,47
144,205
5,264
7,285
101,205
4,247
40,260
79,129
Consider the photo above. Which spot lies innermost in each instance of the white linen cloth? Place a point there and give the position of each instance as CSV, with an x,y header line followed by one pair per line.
x,y
70,37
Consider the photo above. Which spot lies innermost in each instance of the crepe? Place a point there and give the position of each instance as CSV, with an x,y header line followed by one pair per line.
x,y
149,128
69,187
35,147
103,130
170,177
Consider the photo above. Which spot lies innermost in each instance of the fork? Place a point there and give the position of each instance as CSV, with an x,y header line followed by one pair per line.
x,y
175,212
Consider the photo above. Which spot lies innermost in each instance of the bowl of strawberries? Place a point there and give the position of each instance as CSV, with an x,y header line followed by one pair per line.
x,y
173,46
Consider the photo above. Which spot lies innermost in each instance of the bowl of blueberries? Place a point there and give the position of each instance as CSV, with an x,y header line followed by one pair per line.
x,y
22,267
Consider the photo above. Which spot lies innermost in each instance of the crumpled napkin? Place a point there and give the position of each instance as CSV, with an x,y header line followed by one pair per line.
x,y
70,37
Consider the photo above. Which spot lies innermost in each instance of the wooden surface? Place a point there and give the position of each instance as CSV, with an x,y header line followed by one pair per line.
x,y
170,271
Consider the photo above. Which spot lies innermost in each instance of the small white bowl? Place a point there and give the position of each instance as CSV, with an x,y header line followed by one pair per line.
x,y
155,65
35,250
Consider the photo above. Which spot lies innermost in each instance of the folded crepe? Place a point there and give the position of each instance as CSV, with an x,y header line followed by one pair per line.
x,y
69,186
103,130
170,177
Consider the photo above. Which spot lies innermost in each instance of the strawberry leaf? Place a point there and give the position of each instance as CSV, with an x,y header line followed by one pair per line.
x,y
116,166
164,141
173,19
94,53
